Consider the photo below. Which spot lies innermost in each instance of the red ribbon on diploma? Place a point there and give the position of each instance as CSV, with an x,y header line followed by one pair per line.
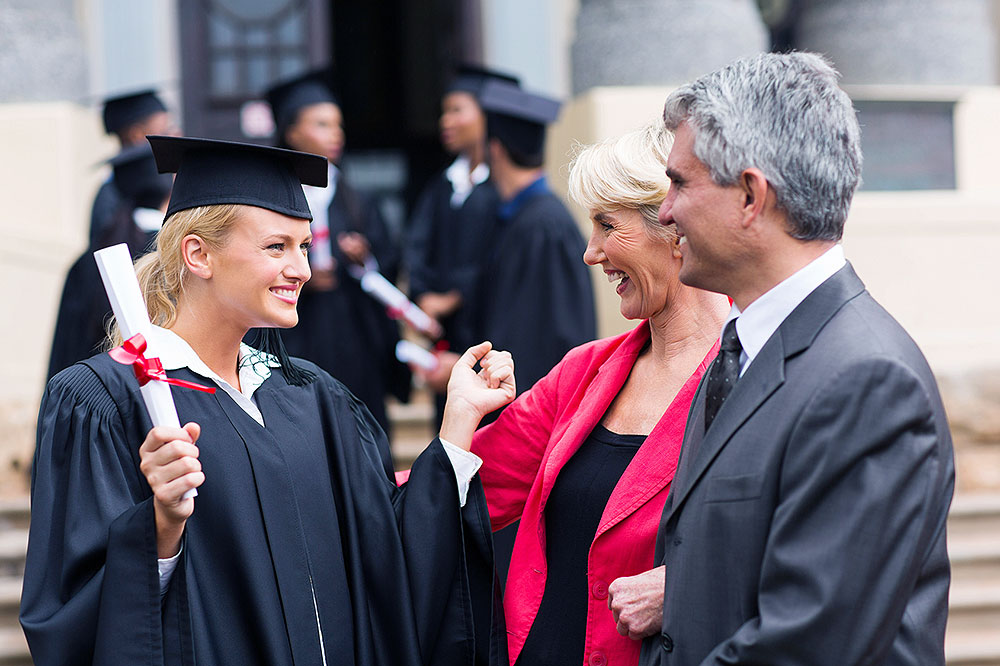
x,y
147,369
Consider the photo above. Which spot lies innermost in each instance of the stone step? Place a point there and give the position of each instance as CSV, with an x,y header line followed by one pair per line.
x,y
973,648
13,647
10,600
974,607
975,516
13,545
975,561
14,512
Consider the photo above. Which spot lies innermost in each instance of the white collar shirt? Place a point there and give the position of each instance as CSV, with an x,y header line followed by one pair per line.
x,y
254,367
463,181
761,319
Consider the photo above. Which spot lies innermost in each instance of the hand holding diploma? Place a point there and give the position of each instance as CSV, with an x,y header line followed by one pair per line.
x,y
169,460
472,395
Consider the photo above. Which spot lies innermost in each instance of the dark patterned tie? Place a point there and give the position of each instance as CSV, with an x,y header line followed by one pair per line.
x,y
724,373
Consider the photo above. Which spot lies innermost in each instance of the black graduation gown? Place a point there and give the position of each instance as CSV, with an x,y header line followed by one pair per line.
x,y
107,200
447,249
306,504
536,298
84,309
345,331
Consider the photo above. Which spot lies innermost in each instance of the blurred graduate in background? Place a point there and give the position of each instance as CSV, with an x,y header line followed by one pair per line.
x,y
449,235
141,194
341,329
130,118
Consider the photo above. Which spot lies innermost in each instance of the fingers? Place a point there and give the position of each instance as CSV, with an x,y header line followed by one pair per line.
x,y
473,354
497,366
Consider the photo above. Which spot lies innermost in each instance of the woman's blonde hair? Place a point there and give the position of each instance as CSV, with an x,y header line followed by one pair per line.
x,y
161,272
627,171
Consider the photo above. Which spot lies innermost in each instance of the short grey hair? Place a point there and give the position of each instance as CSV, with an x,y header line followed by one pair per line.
x,y
785,115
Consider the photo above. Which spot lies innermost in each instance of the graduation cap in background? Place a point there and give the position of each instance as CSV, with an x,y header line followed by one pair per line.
x,y
472,78
124,110
137,177
290,96
227,172
518,119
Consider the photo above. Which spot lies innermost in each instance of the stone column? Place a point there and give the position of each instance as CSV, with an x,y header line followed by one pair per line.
x,y
903,41
661,42
43,56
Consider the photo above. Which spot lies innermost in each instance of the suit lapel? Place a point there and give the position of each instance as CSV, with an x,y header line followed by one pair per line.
x,y
764,376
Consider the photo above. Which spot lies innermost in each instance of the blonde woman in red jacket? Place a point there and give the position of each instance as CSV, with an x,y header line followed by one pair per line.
x,y
585,458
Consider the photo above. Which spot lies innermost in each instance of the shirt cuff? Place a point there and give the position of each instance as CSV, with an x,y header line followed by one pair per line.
x,y
167,566
466,464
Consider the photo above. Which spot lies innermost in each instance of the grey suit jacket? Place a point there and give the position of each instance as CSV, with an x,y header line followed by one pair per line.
x,y
807,526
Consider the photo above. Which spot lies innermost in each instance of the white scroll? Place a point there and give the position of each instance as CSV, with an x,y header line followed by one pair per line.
x,y
122,286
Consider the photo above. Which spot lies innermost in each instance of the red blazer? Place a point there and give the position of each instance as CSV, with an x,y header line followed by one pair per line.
x,y
523,452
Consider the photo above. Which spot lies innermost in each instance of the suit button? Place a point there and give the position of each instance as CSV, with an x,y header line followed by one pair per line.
x,y
598,659
666,642
600,590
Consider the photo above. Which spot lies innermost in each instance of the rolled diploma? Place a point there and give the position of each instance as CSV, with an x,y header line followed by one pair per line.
x,y
118,275
411,352
386,293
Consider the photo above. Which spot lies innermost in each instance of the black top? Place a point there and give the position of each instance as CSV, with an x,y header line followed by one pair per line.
x,y
297,519
572,515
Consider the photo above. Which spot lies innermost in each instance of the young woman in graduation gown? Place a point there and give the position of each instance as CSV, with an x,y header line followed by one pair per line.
x,y
81,323
341,328
299,548
585,457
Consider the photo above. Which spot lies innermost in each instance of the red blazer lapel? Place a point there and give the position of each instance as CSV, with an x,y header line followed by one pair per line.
x,y
598,396
647,474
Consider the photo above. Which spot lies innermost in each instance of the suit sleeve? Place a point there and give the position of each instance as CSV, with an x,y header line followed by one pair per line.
x,y
91,590
860,511
513,447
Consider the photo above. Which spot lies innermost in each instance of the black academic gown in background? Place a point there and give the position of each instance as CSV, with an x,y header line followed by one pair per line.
x,y
447,248
298,518
107,201
345,331
536,298
84,309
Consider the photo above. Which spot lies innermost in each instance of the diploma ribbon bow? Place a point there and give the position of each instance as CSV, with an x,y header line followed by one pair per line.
x,y
148,369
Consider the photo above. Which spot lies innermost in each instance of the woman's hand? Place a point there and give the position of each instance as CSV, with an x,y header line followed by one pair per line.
x,y
472,395
438,305
637,603
168,459
354,246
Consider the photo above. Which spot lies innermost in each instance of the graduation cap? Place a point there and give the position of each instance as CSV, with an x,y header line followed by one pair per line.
x,y
472,78
227,172
124,110
137,177
518,119
290,96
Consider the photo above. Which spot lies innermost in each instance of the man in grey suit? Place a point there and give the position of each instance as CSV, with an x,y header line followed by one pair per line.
x,y
806,524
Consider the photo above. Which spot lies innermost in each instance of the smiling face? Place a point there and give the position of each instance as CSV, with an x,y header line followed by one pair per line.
x,y
640,262
463,124
319,129
257,275
707,216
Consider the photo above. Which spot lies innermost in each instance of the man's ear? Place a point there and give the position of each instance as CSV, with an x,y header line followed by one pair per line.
x,y
755,189
196,255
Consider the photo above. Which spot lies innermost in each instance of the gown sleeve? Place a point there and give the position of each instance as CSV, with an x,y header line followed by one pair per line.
x,y
434,593
91,591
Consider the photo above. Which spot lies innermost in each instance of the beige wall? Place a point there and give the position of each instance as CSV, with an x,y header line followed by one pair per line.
x,y
929,257
47,181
